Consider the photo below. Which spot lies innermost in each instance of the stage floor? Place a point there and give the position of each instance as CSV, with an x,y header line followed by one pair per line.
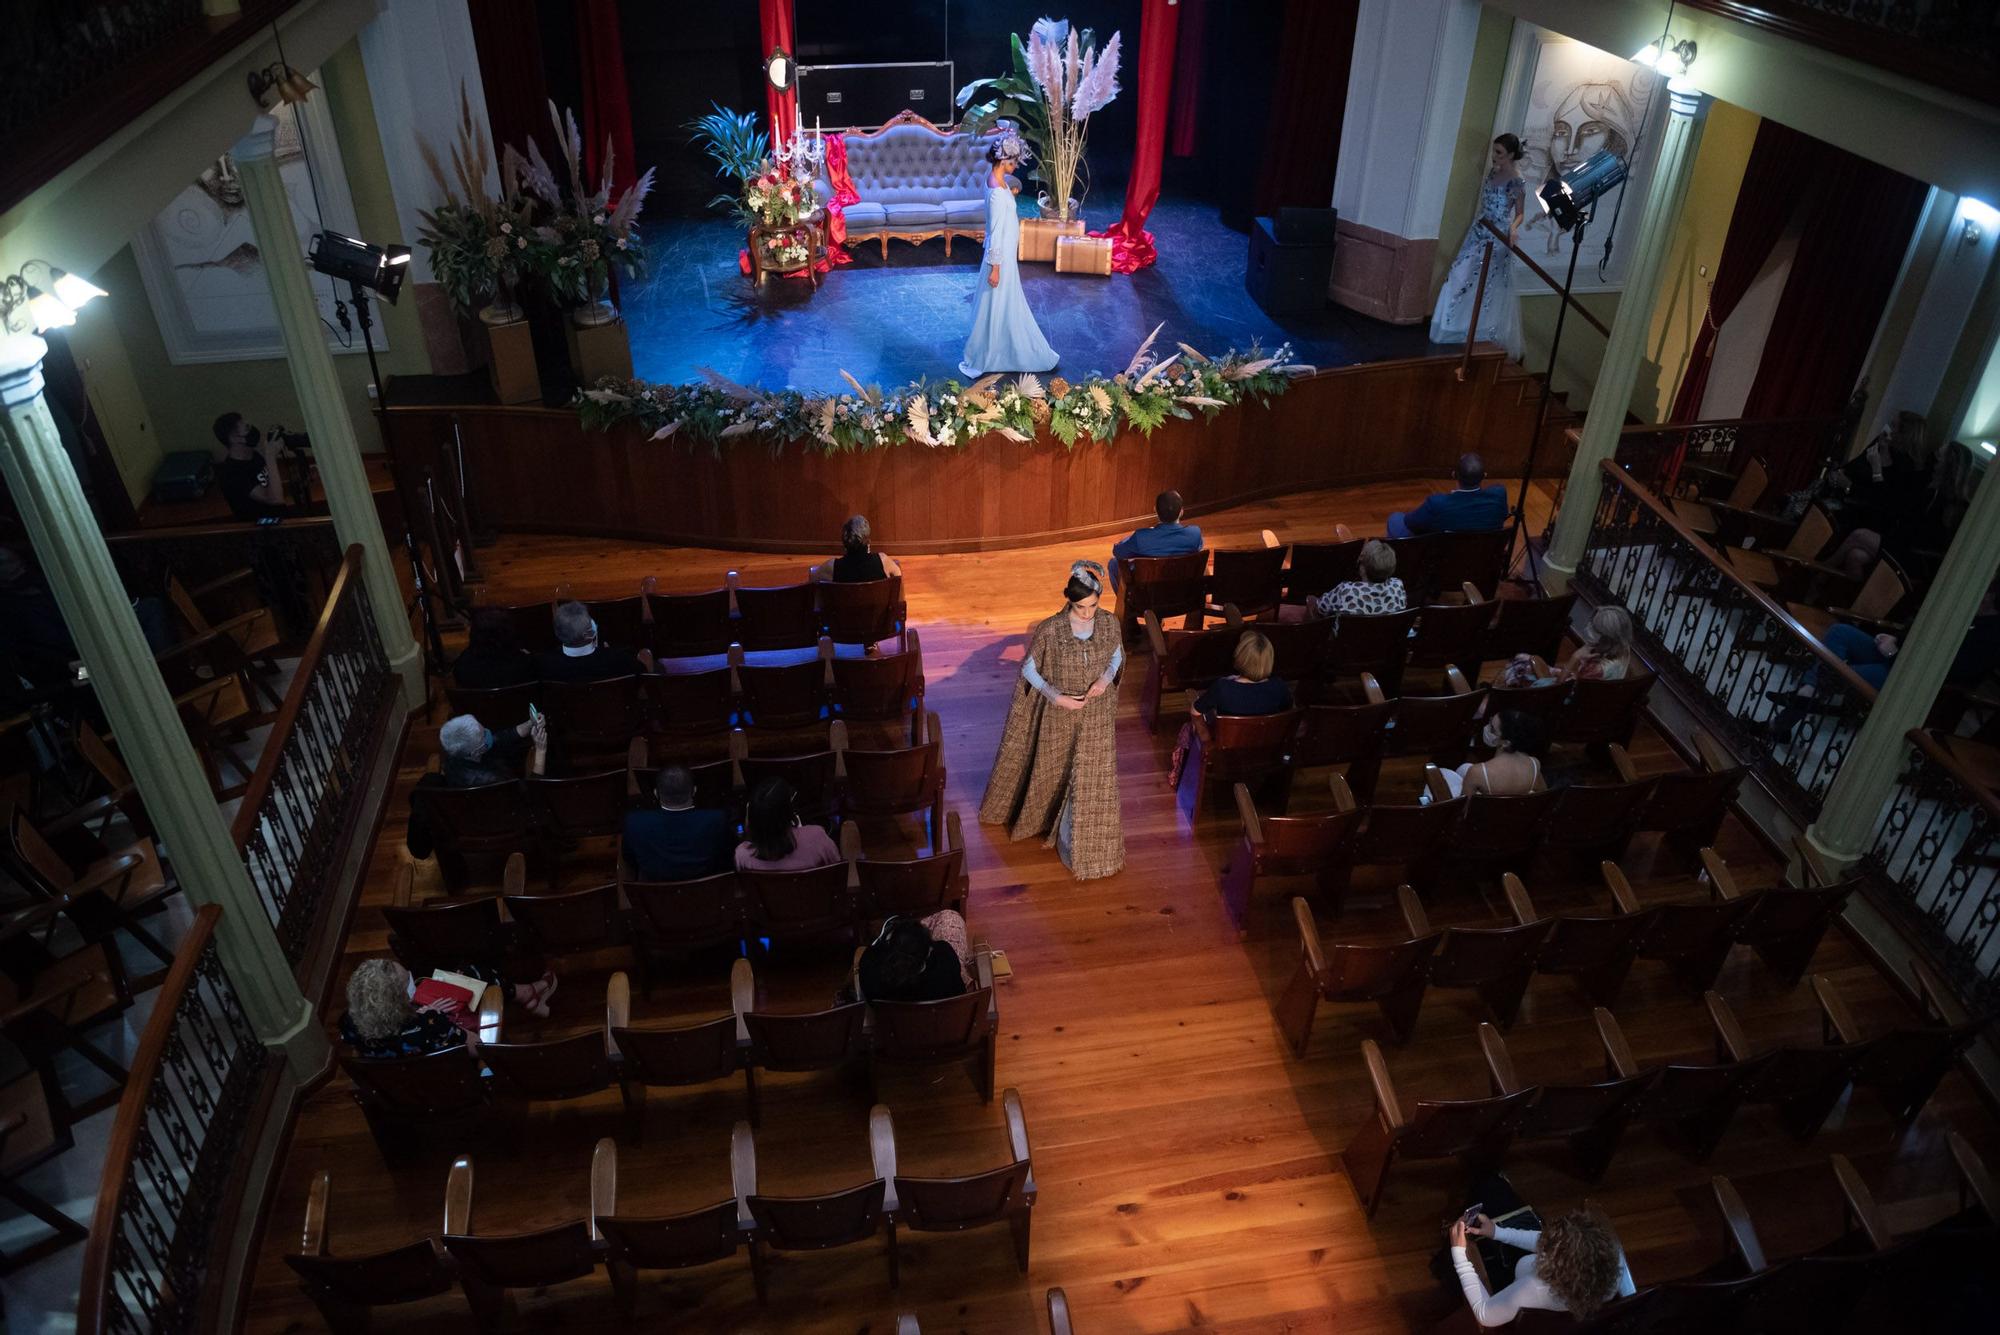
x,y
891,323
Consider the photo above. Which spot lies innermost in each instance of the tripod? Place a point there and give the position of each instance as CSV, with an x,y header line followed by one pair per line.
x,y
1520,516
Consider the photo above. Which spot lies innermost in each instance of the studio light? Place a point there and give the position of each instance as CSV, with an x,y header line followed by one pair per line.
x,y
1567,199
379,269
51,307
780,69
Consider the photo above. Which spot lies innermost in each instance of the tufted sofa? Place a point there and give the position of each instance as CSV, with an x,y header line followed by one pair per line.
x,y
915,181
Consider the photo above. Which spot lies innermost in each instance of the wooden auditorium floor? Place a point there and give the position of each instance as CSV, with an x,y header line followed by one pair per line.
x,y
1188,1165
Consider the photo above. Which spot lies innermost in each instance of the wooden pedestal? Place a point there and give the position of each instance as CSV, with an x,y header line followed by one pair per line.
x,y
516,379
599,350
1038,237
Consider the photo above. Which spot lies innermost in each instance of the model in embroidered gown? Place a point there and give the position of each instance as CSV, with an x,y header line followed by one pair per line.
x,y
1056,776
1502,200
1004,334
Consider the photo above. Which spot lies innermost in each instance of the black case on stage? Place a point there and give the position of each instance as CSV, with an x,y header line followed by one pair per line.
x,y
1291,259
184,476
846,97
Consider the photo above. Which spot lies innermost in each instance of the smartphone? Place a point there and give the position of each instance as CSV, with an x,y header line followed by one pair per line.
x,y
534,713
1471,1213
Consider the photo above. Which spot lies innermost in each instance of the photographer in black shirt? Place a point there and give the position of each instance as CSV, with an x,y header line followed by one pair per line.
x,y
250,477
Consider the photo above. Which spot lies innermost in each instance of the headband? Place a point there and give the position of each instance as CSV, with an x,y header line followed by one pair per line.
x,y
1090,573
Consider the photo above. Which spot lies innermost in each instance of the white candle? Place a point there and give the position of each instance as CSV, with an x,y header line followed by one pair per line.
x,y
816,133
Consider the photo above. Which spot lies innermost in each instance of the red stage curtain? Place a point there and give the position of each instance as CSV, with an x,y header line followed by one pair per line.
x,y
774,17
1183,131
508,35
607,113
1308,104
1853,231
1131,243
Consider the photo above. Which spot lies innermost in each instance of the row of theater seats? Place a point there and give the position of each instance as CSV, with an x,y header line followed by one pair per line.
x,y
486,1266
474,829
1314,655
692,625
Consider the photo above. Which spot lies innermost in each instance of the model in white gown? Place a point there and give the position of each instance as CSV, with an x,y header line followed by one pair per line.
x,y
1502,200
1004,334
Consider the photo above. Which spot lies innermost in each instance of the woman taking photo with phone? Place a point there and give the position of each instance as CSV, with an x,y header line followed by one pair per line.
x,y
1573,1264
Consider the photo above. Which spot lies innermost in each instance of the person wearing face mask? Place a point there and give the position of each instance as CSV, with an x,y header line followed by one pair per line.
x,y
471,755
580,655
1517,740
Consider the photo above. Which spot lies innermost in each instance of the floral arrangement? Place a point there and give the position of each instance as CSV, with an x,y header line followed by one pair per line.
x,y
776,198
1058,81
586,232
480,247
948,414
787,249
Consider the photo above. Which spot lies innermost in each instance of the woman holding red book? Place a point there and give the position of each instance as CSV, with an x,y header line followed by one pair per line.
x,y
385,1019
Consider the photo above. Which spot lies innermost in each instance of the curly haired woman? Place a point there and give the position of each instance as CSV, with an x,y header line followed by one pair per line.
x,y
383,1019
1574,1265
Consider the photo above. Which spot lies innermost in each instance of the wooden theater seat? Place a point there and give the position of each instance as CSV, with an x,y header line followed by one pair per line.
x,y
1393,975
1251,579
883,688
1237,749
1351,735
962,1030
691,625
683,1241
795,907
554,1070
809,1223
497,707
346,1288
1185,660
784,616
696,1053
685,707
1596,950
1786,924
1453,635
916,887
1410,837
1802,1083
865,612
1166,586
1438,727
1378,646
592,722
1317,566
1588,1115
1474,1131
1005,1194
882,785
491,1265
1693,940
1686,807
780,696
1282,846
1494,962
1699,1098
1904,1065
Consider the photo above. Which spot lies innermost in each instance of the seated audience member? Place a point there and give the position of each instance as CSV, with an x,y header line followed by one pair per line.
x,y
1607,653
249,475
857,563
1251,692
1871,657
383,1020
578,655
916,959
1517,740
677,841
1473,508
1169,537
491,658
1377,592
471,756
776,840
1573,1265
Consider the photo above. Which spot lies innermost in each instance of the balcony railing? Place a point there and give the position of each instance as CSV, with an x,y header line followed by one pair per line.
x,y
294,563
175,1145
309,794
1937,845
1752,674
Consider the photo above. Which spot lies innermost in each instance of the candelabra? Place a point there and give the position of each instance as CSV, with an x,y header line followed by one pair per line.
x,y
802,155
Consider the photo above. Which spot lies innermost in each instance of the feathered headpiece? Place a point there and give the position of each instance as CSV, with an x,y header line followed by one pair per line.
x,y
1013,148
1091,573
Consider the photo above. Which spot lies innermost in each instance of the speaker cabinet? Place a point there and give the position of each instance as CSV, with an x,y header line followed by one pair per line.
x,y
1291,261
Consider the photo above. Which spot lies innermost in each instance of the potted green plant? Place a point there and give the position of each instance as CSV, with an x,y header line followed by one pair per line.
x,y
1058,80
585,233
479,247
739,149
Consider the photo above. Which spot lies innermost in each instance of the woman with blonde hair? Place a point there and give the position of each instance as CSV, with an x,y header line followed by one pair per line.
x,y
1251,693
1056,775
1607,652
1573,1265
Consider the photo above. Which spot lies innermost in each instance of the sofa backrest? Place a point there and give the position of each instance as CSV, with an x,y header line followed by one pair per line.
x,y
914,164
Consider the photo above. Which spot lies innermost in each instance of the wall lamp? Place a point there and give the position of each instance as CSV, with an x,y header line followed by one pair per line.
x,y
279,83
1671,58
53,306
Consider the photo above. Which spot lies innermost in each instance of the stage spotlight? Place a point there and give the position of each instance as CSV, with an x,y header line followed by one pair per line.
x,y
780,68
52,308
1567,199
380,269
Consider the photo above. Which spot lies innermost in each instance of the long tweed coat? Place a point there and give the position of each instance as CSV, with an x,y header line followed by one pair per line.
x,y
1050,757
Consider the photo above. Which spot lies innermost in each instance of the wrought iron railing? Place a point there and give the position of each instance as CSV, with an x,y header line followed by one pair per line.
x,y
1699,455
306,799
176,1141
1746,668
294,563
1937,846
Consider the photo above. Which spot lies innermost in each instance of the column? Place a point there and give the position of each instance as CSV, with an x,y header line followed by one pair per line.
x,y
1626,348
150,735
335,448
1846,824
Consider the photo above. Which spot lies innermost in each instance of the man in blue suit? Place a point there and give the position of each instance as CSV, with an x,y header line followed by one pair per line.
x,y
1473,508
678,841
1169,537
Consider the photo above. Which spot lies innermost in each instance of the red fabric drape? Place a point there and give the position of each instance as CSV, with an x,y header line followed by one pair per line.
x,y
1308,104
1131,243
844,194
607,112
508,36
1853,231
1183,130
774,18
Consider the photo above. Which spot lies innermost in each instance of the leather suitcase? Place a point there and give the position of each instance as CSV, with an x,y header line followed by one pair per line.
x,y
1039,236
1084,254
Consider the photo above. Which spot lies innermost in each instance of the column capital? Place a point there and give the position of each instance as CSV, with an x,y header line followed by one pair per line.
x,y
20,367
260,144
1686,100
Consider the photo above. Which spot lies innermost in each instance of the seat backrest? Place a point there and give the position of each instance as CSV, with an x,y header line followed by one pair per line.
x,y
437,1084
1603,711
1470,956
1169,585
1814,532
1365,973
893,781
1910,1055
689,913
812,776
948,1204
811,1223
689,702
492,815
1318,566
689,1054
1589,815
1455,559
784,695
533,624
1580,943
1564,1110
1689,1090
1530,626
1336,734
784,616
862,612
1194,658
560,1068
1792,1071
909,162
33,857
452,933
1304,844
675,1241
1438,1130
1748,489
526,1260
498,707
1452,634
919,886
1438,726
1297,647
796,904
1881,591
1377,644
575,920
931,1030
1253,578
1694,930
403,1274
808,1041
1690,799
590,804
1400,835
595,711
686,625
1502,827
1784,912
1245,744
883,687
622,621
1543,703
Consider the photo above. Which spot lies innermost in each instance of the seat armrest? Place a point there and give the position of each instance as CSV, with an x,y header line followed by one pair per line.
x,y
1434,782
1309,942
982,973
1343,796
1730,1044
1198,721
1455,679
742,996
603,1184
1709,751
1517,899
1155,637
1621,889
743,1171
1837,1018
1372,689
618,1010
1862,1211
312,1239
117,868
1617,1052
514,876
1620,761
1542,669
1935,998
98,808
1270,539
1471,592
1721,881
882,1151
1973,1178
458,1199
1017,1125
1342,533
1499,1062
1414,917
490,1004
1739,1234
1385,1090
1246,809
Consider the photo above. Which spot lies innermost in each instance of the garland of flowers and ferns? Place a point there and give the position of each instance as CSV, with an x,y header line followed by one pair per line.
x,y
946,413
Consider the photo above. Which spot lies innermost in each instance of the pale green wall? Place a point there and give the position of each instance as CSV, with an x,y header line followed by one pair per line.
x,y
1475,132
181,401
115,396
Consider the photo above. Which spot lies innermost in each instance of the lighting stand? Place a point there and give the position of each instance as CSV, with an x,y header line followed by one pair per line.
x,y
1542,409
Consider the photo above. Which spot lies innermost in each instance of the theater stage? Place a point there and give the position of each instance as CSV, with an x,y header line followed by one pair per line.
x,y
891,323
